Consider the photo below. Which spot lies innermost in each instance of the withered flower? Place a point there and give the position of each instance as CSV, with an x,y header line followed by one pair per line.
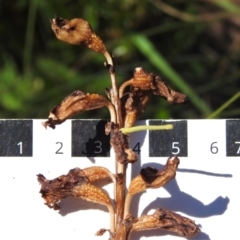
x,y
78,32
167,93
133,105
76,103
120,144
142,86
61,187
76,184
167,220
141,80
144,81
151,178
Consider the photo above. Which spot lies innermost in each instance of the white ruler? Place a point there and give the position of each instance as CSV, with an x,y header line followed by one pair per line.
x,y
206,187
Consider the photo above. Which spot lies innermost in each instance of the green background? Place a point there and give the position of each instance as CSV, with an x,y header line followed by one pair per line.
x,y
192,45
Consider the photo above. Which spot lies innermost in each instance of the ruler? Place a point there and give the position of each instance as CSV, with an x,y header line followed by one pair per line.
x,y
205,188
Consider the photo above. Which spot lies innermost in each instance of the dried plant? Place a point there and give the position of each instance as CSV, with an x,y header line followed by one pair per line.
x,y
125,105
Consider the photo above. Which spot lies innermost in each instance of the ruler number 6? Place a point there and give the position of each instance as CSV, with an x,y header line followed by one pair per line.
x,y
214,149
176,148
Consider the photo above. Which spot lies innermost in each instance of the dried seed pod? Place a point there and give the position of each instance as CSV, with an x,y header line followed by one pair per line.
x,y
167,93
167,220
78,32
76,103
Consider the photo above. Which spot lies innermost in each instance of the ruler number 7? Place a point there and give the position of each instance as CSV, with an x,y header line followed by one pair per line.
x,y
238,151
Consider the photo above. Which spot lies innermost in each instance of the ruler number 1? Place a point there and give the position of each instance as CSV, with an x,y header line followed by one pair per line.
x,y
20,147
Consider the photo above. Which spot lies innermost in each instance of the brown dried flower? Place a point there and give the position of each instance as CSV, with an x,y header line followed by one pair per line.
x,y
133,105
145,81
120,144
76,103
142,86
167,93
141,80
150,178
167,220
77,31
76,184
153,178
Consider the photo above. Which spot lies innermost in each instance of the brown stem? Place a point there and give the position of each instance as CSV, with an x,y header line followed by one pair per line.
x,y
127,204
120,168
123,86
112,217
112,111
120,199
114,92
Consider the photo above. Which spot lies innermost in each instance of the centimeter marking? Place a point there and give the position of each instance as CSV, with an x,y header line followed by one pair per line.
x,y
86,138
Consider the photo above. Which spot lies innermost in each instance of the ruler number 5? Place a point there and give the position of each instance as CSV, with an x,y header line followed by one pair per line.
x,y
176,148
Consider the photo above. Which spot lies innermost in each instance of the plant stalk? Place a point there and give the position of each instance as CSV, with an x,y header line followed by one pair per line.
x,y
121,230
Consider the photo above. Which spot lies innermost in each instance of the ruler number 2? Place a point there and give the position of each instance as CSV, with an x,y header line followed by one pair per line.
x,y
58,151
